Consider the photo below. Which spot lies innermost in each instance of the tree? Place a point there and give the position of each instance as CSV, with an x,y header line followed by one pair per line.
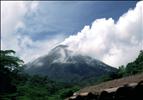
x,y
121,71
135,66
10,65
132,67
9,61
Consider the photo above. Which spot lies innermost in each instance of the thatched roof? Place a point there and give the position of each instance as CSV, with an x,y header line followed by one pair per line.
x,y
114,84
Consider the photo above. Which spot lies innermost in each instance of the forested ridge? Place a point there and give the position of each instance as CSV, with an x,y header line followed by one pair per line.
x,y
17,85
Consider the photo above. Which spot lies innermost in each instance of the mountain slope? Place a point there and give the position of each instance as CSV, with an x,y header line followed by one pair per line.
x,y
63,65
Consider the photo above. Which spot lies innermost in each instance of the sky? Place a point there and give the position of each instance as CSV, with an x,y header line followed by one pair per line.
x,y
111,31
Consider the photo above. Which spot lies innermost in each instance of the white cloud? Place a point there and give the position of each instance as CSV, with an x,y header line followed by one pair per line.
x,y
12,16
113,43
13,13
34,5
30,50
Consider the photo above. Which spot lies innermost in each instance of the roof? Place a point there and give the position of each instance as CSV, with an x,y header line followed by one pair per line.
x,y
113,84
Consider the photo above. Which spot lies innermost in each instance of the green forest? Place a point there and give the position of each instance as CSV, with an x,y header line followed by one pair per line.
x,y
15,84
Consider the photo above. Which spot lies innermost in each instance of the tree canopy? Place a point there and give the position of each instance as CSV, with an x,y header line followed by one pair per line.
x,y
21,86
9,61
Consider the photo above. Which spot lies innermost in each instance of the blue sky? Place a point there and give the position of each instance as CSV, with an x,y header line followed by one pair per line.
x,y
32,28
54,18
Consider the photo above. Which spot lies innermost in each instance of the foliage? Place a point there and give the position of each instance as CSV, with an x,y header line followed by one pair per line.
x,y
132,67
9,61
121,71
9,66
17,85
40,88
136,66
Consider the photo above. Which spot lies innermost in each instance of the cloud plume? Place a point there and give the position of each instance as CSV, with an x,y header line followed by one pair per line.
x,y
13,13
113,42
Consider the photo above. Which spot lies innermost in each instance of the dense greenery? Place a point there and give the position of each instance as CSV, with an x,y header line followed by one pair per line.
x,y
16,85
132,67
39,88
9,67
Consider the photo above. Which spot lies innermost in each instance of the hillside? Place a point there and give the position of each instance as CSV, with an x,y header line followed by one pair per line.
x,y
128,87
64,65
16,85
